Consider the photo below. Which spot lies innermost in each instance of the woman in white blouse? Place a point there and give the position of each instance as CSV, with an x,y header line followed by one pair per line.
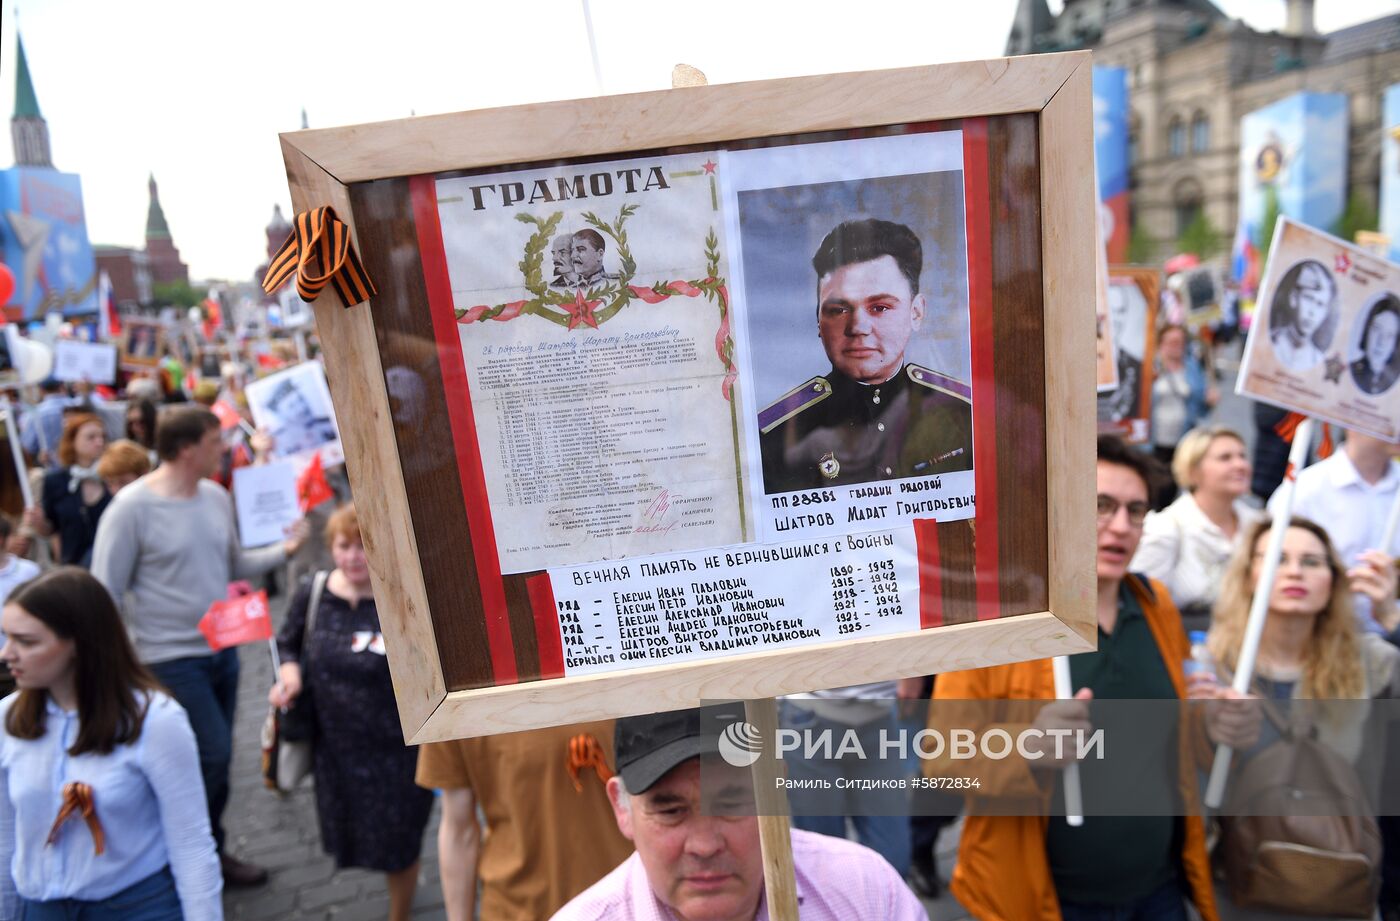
x,y
1187,545
102,812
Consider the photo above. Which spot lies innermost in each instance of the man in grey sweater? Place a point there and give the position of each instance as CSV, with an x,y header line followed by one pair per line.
x,y
166,549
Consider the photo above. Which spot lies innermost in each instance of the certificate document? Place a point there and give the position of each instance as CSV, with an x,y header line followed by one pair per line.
x,y
593,308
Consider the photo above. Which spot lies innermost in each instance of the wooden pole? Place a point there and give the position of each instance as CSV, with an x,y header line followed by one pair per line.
x,y
1074,795
774,823
1259,608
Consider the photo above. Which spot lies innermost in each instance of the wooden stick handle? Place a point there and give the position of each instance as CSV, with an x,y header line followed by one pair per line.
x,y
774,824
1074,793
1259,607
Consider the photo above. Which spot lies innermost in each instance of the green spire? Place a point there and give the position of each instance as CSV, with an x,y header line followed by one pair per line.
x,y
156,227
26,103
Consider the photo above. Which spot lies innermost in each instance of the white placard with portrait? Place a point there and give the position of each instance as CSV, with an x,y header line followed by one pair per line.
x,y
294,407
1325,334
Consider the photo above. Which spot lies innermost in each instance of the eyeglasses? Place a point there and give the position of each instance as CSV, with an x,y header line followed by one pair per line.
x,y
1109,506
1305,561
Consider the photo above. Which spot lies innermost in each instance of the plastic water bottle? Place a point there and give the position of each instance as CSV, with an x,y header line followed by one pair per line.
x,y
1200,665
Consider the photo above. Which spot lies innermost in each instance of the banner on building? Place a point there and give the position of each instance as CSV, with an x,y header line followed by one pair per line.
x,y
1293,161
1112,155
1390,170
44,240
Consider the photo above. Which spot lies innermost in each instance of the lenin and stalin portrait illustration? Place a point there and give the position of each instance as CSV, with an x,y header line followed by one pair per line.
x,y
874,415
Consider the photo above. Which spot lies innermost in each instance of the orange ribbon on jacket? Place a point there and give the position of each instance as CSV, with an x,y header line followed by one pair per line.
x,y
1288,427
319,251
77,799
585,752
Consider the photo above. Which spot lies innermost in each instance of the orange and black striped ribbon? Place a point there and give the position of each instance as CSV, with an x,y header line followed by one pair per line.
x,y
1288,426
318,250
77,799
585,751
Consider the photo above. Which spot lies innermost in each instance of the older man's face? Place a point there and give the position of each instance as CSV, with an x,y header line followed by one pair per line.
x,y
563,261
704,868
866,313
588,259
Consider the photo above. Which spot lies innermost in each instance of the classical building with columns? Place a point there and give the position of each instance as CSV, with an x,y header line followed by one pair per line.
x,y
1193,73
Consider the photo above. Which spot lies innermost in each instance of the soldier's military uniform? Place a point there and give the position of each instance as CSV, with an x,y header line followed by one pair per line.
x,y
1370,382
1293,353
833,431
597,278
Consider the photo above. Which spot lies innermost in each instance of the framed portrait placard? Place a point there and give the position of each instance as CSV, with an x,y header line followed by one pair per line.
x,y
751,398
294,407
142,344
1326,335
1133,298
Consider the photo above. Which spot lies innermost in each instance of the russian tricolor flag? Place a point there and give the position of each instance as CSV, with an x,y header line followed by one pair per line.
x,y
109,325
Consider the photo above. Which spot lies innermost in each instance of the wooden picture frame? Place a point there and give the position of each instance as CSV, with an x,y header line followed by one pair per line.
x,y
143,344
1023,587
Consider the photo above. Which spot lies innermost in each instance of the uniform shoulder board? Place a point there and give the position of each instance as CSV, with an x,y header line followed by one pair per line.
x,y
943,383
792,403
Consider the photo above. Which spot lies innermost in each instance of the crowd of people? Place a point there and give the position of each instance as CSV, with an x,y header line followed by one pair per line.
x,y
117,741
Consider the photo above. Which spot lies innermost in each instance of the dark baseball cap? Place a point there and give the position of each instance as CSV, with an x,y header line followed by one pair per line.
x,y
647,747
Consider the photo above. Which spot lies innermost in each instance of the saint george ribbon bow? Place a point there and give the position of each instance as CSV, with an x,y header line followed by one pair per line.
x,y
77,800
319,250
585,751
1288,426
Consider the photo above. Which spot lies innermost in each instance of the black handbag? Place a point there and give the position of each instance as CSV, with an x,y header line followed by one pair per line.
x,y
288,735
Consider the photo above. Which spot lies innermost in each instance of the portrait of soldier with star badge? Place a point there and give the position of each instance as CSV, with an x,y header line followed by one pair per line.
x,y
857,308
1326,340
874,414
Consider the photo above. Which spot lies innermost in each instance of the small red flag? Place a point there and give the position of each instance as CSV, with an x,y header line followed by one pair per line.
x,y
233,623
228,416
312,487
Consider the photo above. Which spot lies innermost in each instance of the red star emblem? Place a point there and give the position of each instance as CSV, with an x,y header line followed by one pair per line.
x,y
581,311
709,166
1343,262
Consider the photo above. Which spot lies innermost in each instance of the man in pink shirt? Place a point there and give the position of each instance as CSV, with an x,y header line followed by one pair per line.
x,y
703,862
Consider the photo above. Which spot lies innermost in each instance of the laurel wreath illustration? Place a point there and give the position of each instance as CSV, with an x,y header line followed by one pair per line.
x,y
595,305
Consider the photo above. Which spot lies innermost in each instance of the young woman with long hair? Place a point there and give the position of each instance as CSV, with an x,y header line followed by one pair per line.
x,y
1311,647
102,812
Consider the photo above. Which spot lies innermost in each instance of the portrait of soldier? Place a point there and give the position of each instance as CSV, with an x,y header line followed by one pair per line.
x,y
1379,365
1301,318
587,249
1128,309
141,342
299,426
562,252
874,415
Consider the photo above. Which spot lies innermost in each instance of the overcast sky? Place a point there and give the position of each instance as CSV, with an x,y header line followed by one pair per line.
x,y
196,93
